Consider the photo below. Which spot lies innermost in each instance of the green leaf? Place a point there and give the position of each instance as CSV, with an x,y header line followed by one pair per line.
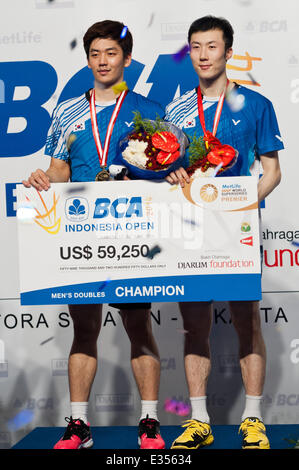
x,y
197,149
159,124
144,125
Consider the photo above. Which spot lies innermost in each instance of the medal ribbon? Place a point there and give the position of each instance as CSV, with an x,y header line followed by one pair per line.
x,y
103,153
217,113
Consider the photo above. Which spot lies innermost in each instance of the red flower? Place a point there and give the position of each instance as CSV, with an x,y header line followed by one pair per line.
x,y
166,141
212,140
223,154
165,158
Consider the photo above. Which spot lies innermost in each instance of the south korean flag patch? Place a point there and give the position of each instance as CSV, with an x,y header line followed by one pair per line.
x,y
79,126
189,123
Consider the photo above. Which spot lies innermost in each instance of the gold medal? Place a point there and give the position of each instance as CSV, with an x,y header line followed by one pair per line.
x,y
103,175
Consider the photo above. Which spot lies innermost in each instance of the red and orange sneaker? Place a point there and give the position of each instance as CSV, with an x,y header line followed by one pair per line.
x,y
149,436
76,436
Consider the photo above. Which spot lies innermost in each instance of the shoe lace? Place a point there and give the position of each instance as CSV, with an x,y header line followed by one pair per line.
x,y
73,428
149,427
194,427
254,428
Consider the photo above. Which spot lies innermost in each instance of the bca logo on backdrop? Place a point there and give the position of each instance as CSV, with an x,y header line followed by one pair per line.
x,y
24,122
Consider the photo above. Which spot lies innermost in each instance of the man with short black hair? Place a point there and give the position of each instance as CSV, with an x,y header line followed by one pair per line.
x,y
82,142
253,131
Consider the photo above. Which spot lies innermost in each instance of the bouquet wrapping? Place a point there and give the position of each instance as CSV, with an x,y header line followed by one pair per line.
x,y
153,149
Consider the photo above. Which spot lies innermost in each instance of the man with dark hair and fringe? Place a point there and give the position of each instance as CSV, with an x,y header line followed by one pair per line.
x,y
252,129
82,143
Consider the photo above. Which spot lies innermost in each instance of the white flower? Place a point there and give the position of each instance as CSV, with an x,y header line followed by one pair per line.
x,y
137,146
203,174
134,153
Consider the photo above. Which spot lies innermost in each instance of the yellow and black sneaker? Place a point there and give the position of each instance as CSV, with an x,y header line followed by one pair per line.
x,y
196,435
254,434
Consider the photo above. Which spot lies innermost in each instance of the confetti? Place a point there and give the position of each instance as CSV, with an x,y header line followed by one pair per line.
x,y
191,222
170,405
181,54
293,60
176,407
21,420
184,409
148,352
245,2
73,43
293,441
46,340
217,169
70,141
124,32
254,82
119,87
184,332
26,212
2,92
186,220
153,252
104,284
235,101
151,20
74,188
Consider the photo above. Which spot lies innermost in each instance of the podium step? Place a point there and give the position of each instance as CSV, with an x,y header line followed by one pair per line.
x,y
125,437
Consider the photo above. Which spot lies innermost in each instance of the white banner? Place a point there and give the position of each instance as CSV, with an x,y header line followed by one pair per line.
x,y
139,240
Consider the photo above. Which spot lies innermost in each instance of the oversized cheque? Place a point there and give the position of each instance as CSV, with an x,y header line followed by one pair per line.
x,y
136,241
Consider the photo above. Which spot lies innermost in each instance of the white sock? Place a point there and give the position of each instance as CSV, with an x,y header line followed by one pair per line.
x,y
199,409
149,407
79,410
252,407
